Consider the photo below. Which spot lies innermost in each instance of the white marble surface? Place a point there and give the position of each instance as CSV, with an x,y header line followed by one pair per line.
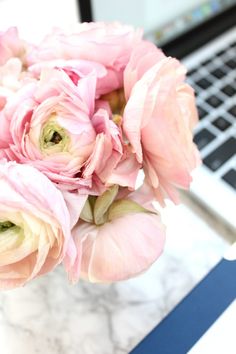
x,y
49,316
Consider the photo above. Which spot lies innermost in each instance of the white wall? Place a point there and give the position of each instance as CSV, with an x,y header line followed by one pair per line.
x,y
34,18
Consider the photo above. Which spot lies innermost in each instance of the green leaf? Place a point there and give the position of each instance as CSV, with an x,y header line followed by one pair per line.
x,y
125,206
87,212
103,203
92,200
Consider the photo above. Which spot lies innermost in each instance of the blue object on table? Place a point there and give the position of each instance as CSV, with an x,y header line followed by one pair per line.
x,y
181,329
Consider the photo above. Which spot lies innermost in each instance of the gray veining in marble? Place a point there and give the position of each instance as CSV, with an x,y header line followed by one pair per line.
x,y
49,316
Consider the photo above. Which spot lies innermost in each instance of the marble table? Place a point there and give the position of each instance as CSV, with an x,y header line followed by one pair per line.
x,y
50,316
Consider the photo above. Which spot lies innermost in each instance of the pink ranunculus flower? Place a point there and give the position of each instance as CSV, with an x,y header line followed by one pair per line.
x,y
34,225
158,120
11,46
109,44
13,68
53,124
125,245
10,74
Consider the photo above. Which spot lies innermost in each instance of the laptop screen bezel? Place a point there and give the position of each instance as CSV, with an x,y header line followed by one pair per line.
x,y
201,34
188,41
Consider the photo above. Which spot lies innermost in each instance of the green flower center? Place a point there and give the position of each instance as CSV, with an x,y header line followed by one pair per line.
x,y
11,237
53,138
5,225
56,138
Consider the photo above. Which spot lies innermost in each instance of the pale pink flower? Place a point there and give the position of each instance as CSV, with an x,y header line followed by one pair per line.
x,y
109,44
53,125
77,69
158,120
9,79
43,122
34,225
118,249
142,58
86,110
11,45
13,71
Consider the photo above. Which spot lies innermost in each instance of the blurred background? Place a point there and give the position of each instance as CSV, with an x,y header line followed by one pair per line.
x,y
159,22
35,18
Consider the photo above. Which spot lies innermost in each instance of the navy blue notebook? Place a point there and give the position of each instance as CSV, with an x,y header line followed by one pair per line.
x,y
182,328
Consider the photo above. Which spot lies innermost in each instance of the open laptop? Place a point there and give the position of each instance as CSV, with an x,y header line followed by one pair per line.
x,y
203,34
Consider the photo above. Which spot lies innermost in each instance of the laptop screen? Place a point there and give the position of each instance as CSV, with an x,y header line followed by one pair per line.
x,y
187,15
161,23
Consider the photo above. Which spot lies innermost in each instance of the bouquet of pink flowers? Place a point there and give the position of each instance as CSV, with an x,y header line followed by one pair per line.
x,y
81,116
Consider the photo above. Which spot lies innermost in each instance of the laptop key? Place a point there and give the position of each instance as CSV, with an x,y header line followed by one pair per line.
x,y
201,112
221,123
218,73
220,155
192,72
203,138
203,83
230,178
232,45
214,101
231,63
232,111
206,62
221,52
228,90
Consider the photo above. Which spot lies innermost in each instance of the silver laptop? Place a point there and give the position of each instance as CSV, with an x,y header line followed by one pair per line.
x,y
202,34
213,75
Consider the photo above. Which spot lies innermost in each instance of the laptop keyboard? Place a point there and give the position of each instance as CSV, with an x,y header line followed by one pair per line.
x,y
214,81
